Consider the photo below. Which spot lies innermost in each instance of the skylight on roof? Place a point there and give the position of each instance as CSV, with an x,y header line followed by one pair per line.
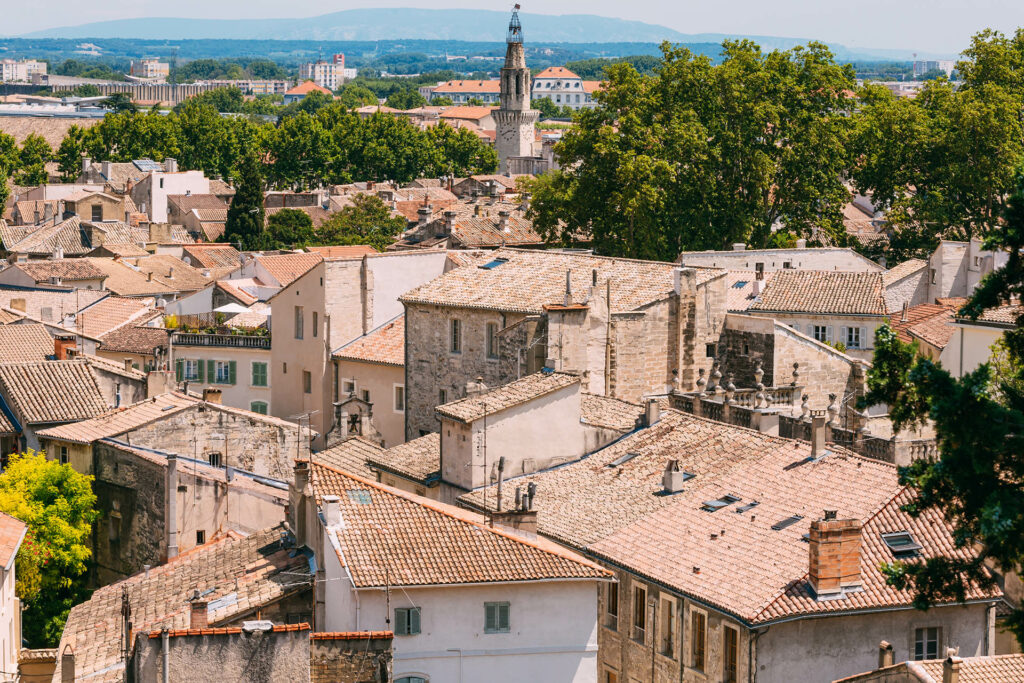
x,y
621,459
359,496
901,543
146,165
789,521
749,506
491,265
740,284
724,501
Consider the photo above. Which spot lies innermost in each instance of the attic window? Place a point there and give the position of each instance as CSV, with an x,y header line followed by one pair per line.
x,y
622,459
740,284
718,504
749,506
901,543
491,265
359,496
789,521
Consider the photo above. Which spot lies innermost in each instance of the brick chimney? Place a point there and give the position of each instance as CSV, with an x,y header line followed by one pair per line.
x,y
834,556
61,346
212,395
199,616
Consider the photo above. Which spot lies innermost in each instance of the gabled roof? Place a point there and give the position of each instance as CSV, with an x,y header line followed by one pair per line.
x,y
608,412
477,232
902,270
344,251
469,112
25,342
825,292
425,542
51,391
12,533
286,268
65,235
901,322
526,281
350,455
515,393
1000,316
611,504
236,575
555,72
419,459
992,669
120,420
186,202
134,339
739,293
212,255
172,272
110,313
64,268
936,330
128,281
384,345
307,87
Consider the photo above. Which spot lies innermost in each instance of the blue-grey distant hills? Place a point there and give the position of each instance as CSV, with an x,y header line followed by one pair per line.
x,y
424,24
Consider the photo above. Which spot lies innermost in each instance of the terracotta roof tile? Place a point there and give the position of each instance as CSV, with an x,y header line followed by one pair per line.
x,y
12,532
512,394
608,412
1000,316
826,292
556,72
739,293
993,669
25,342
134,339
611,504
186,202
286,268
246,572
419,459
106,315
65,269
212,255
120,420
172,272
307,87
525,281
350,456
384,345
51,391
344,251
469,112
126,280
426,542
901,322
902,270
936,330
351,635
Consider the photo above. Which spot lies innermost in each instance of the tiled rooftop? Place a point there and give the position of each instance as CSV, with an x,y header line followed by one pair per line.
x,y
1000,316
120,420
390,537
134,339
901,322
236,575
25,342
902,270
506,396
212,255
384,345
172,272
12,531
65,269
127,281
824,292
111,313
611,504
51,391
525,281
608,412
418,459
739,293
286,268
344,251
350,456
994,669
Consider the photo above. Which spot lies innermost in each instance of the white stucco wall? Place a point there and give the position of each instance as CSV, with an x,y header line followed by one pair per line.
x,y
911,290
395,273
553,634
825,258
969,347
380,381
163,184
10,622
830,648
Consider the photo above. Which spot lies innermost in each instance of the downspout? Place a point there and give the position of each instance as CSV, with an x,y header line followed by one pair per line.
x,y
751,652
608,338
165,653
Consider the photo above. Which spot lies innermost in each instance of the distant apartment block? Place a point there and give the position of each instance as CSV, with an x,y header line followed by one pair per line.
x,y
23,71
923,66
150,69
330,75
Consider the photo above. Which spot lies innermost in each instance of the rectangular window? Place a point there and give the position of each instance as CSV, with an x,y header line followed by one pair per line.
x,y
97,212
926,642
366,395
258,407
399,398
222,372
298,322
214,458
612,608
407,621
852,337
191,369
63,455
667,627
698,639
639,614
259,374
730,655
348,387
496,617
316,320
200,537
455,336
442,396
492,340
822,333
307,382
611,677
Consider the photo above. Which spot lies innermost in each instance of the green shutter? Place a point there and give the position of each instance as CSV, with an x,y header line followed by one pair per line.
x,y
402,622
232,368
414,620
179,369
489,618
211,371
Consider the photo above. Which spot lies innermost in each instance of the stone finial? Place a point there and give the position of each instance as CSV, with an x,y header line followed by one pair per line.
x,y
730,390
701,382
805,408
716,378
676,382
796,373
833,410
759,397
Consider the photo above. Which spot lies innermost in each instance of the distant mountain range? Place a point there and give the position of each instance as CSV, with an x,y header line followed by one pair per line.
x,y
427,24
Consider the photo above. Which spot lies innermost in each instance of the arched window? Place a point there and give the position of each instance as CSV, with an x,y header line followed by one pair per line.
x,y
258,407
411,679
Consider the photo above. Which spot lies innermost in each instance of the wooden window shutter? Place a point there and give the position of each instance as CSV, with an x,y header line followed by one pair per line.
x,y
232,369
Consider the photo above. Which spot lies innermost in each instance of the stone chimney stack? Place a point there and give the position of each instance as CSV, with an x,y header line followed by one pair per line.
x,y
171,165
299,496
86,163
424,214
171,516
818,434
885,655
212,395
951,668
673,477
834,554
652,412
503,220
449,222
199,616
332,510
67,665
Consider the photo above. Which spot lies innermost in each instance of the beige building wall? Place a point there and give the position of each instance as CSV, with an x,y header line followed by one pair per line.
x,y
376,383
836,327
969,347
10,621
243,393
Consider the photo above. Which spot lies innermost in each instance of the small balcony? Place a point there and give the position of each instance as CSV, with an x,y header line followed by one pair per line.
x,y
237,341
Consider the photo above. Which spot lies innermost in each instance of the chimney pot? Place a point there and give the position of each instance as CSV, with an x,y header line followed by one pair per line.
x,y
739,246
672,479
127,363
951,668
67,665
818,433
199,614
885,654
652,412
332,510
212,395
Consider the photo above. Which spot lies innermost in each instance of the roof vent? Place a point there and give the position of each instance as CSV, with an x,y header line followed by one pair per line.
x,y
673,478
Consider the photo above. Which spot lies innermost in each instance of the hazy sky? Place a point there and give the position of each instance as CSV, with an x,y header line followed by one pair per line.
x,y
927,25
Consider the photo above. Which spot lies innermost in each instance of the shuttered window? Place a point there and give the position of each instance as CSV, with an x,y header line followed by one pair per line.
x,y
259,374
407,621
496,617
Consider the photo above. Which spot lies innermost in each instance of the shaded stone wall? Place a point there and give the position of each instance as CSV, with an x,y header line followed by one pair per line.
x,y
349,660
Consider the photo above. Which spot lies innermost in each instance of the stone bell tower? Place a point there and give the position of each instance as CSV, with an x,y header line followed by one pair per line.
x,y
514,120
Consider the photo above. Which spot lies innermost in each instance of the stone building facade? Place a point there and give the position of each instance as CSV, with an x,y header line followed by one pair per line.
x,y
514,120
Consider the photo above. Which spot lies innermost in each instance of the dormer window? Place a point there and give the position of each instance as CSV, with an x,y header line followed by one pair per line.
x,y
901,543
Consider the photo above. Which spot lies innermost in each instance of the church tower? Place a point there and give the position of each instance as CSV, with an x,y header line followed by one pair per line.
x,y
514,120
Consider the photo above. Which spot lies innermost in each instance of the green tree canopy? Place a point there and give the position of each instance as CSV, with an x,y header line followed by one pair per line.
x,y
367,220
245,221
354,96
288,229
409,98
57,504
698,155
32,159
